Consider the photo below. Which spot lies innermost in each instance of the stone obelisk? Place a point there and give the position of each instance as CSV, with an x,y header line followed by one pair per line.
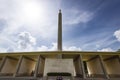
x,y
59,31
59,45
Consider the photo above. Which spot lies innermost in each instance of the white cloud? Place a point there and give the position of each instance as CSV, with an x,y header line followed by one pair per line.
x,y
77,16
106,50
10,49
25,40
45,48
72,48
34,16
54,48
117,34
3,50
37,18
42,48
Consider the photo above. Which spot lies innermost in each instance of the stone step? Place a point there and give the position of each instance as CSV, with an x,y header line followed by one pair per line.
x,y
18,78
26,78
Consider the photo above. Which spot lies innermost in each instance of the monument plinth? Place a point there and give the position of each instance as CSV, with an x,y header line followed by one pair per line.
x,y
59,66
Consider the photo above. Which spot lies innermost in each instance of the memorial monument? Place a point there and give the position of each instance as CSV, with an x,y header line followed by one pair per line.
x,y
60,65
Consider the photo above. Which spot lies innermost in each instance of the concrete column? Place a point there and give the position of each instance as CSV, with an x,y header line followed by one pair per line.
x,y
112,66
82,67
3,62
77,66
37,66
18,66
103,66
27,67
94,67
9,66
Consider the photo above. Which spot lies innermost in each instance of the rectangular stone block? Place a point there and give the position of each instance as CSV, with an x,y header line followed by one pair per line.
x,y
59,65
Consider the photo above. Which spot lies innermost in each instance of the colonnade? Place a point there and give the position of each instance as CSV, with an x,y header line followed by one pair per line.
x,y
86,66
97,66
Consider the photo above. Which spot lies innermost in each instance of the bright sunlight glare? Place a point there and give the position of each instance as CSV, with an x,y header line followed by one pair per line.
x,y
32,11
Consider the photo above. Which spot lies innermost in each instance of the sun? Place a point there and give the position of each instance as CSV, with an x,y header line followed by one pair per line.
x,y
32,11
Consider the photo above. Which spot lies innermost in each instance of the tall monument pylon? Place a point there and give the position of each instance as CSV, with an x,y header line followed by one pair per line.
x,y
59,31
59,45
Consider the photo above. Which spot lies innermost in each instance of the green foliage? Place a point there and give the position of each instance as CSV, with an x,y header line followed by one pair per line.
x,y
58,74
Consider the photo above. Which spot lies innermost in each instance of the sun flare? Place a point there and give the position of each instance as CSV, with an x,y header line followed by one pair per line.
x,y
32,11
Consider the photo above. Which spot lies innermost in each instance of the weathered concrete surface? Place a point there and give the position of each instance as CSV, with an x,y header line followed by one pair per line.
x,y
59,65
112,66
27,66
94,66
9,66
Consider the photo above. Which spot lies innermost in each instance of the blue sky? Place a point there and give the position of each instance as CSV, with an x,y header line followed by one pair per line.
x,y
31,25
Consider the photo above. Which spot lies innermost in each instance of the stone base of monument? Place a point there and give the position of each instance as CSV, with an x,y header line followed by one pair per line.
x,y
59,67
